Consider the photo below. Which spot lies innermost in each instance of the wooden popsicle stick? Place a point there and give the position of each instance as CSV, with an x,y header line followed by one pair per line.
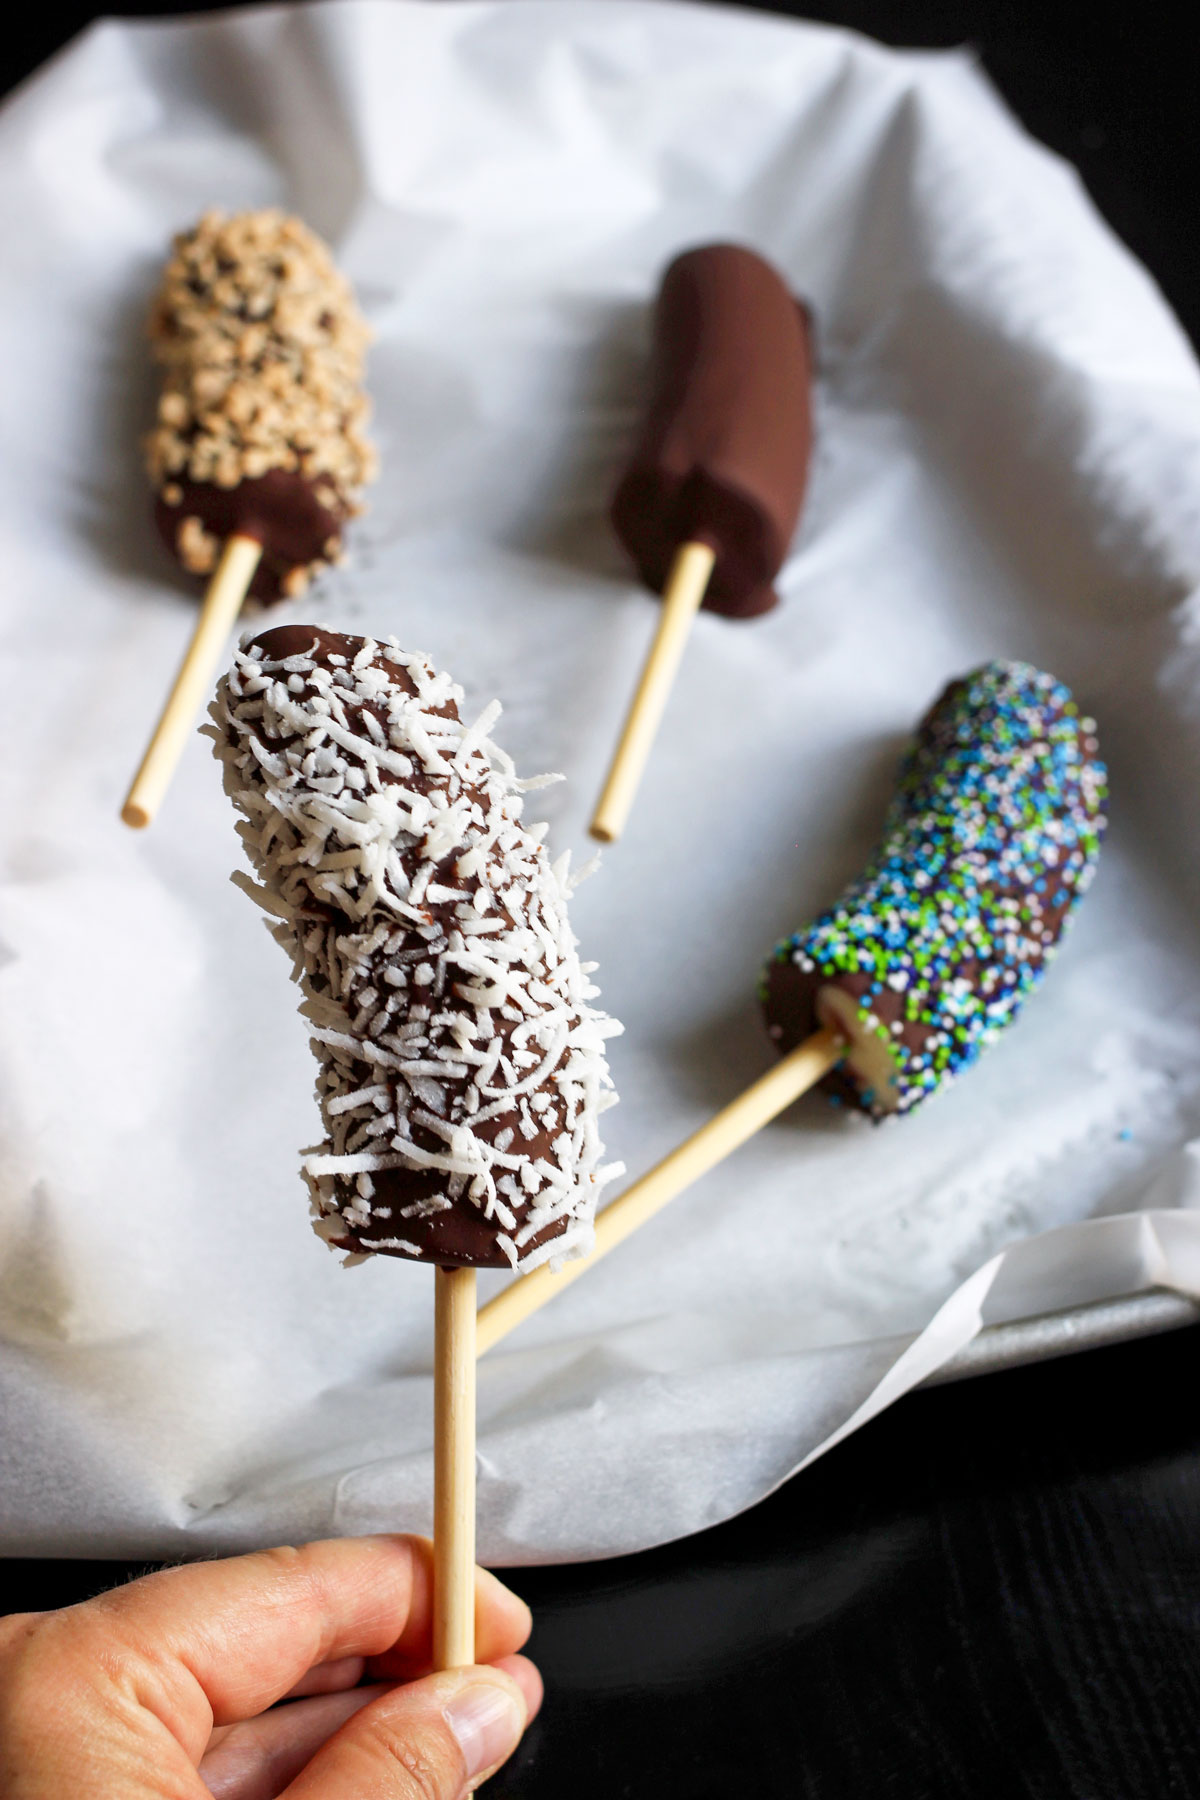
x,y
454,1469
682,595
222,603
792,1076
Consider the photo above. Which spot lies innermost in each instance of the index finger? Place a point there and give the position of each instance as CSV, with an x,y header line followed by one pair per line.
x,y
216,1642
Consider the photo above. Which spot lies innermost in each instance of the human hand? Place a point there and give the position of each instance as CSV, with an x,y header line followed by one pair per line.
x,y
167,1688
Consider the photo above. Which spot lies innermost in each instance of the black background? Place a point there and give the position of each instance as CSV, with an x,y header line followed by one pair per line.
x,y
994,1589
1112,88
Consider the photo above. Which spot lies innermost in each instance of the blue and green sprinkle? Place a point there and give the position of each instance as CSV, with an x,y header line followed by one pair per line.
x,y
992,837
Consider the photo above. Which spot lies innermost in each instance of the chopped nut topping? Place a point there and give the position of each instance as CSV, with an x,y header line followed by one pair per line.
x,y
295,582
263,346
197,547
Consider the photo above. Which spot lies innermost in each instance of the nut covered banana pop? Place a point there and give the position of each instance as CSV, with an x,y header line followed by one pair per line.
x,y
259,456
712,490
991,840
262,413
462,1066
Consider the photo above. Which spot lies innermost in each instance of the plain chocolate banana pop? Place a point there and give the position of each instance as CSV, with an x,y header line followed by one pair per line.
x,y
258,456
461,1062
723,452
711,494
991,841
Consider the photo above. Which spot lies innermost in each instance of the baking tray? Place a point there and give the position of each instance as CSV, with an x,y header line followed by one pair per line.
x,y
1046,1335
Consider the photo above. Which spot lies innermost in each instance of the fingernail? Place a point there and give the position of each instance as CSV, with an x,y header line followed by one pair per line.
x,y
487,1721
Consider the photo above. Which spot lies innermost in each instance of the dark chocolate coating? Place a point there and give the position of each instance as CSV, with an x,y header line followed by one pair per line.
x,y
280,509
282,641
460,1236
723,452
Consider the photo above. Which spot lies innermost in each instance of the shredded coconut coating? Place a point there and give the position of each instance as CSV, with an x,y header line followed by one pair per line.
x,y
262,347
462,1066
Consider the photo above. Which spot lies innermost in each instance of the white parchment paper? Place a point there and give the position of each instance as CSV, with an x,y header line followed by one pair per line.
x,y
1009,464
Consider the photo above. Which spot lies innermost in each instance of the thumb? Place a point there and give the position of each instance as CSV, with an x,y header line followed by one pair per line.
x,y
434,1739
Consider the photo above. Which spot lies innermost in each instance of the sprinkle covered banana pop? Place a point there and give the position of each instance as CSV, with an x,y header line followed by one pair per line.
x,y
990,842
262,415
462,1066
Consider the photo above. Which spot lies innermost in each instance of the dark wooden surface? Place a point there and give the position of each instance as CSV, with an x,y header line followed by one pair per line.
x,y
994,1589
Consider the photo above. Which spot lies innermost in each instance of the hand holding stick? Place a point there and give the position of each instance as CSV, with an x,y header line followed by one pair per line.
x,y
450,1181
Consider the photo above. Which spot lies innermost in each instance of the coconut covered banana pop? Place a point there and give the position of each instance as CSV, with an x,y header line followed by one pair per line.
x,y
990,842
461,1060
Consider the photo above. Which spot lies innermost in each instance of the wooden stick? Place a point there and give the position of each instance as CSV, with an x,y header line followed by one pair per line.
x,y
222,603
770,1094
454,1470
682,595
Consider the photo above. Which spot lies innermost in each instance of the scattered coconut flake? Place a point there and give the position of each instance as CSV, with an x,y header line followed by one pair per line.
x,y
461,1062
